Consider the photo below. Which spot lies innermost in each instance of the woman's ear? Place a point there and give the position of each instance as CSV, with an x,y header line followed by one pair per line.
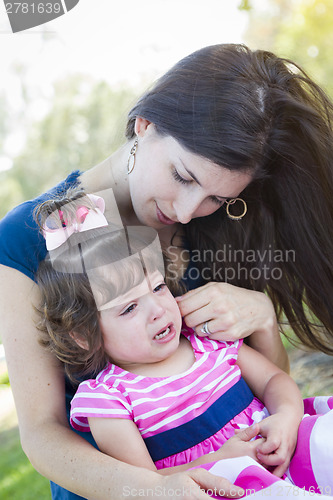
x,y
141,126
79,340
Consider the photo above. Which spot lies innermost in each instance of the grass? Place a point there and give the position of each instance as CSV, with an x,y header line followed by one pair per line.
x,y
18,479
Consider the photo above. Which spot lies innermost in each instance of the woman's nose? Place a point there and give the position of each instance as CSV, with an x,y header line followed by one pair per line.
x,y
186,209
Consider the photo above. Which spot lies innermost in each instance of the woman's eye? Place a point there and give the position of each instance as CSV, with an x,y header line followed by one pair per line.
x,y
128,310
217,201
179,178
159,287
182,180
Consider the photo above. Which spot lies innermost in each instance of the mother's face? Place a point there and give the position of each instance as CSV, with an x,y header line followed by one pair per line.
x,y
171,185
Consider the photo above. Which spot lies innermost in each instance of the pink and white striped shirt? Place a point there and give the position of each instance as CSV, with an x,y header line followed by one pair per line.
x,y
157,404
174,413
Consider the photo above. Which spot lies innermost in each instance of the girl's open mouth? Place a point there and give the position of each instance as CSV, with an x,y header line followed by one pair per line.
x,y
162,334
165,335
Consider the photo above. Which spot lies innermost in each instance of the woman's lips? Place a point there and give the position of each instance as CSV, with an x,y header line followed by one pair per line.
x,y
162,217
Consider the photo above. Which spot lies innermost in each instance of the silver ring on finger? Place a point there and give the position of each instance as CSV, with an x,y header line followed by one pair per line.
x,y
205,330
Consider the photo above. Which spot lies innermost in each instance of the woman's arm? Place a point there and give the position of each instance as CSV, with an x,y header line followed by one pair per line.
x,y
283,400
55,450
235,313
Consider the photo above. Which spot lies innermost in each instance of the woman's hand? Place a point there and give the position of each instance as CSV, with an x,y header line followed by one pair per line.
x,y
235,313
199,479
232,312
191,485
280,431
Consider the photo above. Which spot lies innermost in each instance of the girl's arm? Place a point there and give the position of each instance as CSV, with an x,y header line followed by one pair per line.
x,y
235,313
56,451
283,400
121,439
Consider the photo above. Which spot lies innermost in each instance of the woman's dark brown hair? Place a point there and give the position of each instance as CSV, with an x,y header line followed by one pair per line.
x,y
253,111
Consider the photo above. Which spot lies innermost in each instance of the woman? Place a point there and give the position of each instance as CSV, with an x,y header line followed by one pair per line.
x,y
223,122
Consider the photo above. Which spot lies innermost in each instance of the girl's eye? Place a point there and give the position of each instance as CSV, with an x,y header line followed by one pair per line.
x,y
179,178
128,310
160,287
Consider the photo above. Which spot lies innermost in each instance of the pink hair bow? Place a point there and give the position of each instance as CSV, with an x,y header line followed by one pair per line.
x,y
85,219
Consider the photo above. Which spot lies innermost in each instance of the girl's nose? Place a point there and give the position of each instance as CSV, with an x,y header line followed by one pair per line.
x,y
156,309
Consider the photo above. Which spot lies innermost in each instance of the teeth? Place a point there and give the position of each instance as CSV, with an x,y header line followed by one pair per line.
x,y
163,334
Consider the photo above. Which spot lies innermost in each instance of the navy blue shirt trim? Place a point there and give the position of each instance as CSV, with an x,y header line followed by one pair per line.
x,y
172,441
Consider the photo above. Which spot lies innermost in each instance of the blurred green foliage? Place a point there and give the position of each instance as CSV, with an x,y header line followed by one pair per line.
x,y
84,125
245,5
86,118
301,30
4,379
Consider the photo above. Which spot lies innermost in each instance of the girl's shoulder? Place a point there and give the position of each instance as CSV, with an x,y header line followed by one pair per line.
x,y
206,344
111,380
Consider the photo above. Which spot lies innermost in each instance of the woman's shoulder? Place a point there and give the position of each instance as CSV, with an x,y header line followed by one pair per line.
x,y
22,246
22,214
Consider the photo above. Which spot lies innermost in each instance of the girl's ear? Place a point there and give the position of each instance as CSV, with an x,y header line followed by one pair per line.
x,y
141,126
79,340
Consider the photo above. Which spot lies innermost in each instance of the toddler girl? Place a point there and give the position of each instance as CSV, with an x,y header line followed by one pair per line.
x,y
155,394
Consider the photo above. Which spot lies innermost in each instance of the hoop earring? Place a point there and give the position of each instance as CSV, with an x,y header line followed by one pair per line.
x,y
131,158
231,202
